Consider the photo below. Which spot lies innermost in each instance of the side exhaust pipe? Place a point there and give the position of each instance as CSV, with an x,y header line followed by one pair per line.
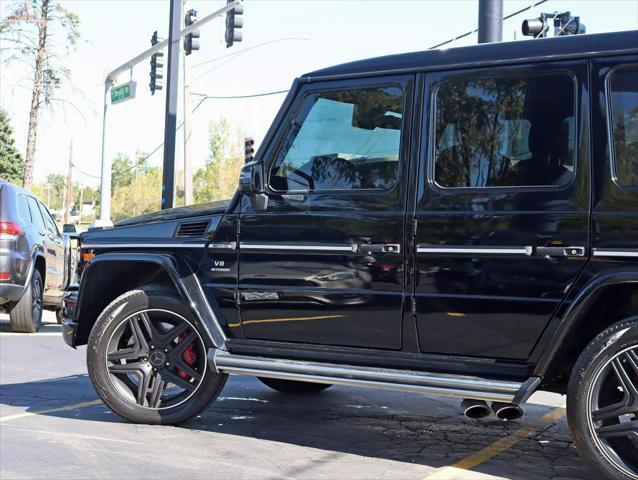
x,y
507,411
475,409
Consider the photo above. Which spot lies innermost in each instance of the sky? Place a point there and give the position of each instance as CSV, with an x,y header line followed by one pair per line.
x,y
282,39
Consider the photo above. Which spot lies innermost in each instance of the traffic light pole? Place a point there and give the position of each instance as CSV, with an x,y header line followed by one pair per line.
x,y
109,81
170,116
490,21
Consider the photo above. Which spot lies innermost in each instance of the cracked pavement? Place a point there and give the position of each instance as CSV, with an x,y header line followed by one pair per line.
x,y
254,432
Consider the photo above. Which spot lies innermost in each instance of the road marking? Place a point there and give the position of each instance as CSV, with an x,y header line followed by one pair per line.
x,y
460,469
66,408
34,335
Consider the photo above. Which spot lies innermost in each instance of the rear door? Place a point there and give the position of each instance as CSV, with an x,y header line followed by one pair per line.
x,y
324,262
503,206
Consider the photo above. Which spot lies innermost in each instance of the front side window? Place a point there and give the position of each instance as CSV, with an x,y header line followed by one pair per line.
x,y
50,223
623,92
342,140
512,131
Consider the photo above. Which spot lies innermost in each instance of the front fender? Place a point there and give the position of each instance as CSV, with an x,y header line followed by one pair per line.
x,y
108,275
578,309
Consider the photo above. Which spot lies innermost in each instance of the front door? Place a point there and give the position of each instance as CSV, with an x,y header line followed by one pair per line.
x,y
323,263
503,206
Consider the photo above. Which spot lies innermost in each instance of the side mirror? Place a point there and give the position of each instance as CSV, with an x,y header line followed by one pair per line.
x,y
251,178
69,228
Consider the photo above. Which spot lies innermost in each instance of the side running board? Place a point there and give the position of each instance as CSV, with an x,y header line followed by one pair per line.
x,y
357,376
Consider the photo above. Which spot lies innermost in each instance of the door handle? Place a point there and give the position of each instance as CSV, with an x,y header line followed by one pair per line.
x,y
380,248
561,251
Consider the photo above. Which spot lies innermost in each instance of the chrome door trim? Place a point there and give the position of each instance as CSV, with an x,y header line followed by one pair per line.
x,y
525,251
222,245
299,248
617,253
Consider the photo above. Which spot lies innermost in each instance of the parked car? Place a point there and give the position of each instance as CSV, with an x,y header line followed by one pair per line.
x,y
35,258
459,222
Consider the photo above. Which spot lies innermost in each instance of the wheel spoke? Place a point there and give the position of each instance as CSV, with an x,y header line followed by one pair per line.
x,y
190,371
150,328
131,353
133,367
179,349
622,429
179,381
138,334
156,391
616,410
173,333
626,382
142,387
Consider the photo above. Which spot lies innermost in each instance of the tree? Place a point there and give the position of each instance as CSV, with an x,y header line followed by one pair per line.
x,y
217,180
11,162
28,31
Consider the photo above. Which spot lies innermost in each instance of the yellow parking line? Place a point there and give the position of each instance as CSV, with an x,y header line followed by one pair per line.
x,y
459,471
66,408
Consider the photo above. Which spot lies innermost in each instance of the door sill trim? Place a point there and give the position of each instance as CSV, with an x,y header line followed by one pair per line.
x,y
460,386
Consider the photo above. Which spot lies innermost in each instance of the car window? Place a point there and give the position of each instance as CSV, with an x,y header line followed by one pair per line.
x,y
512,131
342,140
23,209
36,215
48,220
623,92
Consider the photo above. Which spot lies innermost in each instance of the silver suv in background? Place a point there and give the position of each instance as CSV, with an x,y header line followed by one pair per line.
x,y
35,259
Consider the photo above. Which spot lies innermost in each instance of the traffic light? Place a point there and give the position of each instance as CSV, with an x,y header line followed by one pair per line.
x,y
564,24
191,41
249,149
234,21
157,67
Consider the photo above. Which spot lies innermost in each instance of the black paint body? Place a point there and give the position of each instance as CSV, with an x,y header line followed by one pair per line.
x,y
296,280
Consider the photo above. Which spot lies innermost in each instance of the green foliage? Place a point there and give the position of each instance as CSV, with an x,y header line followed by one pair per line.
x,y
11,162
217,180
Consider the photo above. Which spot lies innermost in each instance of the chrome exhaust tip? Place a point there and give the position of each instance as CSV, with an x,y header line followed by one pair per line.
x,y
507,411
475,409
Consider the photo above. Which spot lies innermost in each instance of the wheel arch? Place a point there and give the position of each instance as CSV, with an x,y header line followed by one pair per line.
x,y
109,275
607,298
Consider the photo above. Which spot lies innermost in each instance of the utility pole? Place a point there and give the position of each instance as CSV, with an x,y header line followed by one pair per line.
x,y
188,168
170,120
69,187
81,204
490,21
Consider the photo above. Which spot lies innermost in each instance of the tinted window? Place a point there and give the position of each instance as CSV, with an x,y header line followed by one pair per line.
x,y
623,86
23,209
36,215
342,140
48,220
511,131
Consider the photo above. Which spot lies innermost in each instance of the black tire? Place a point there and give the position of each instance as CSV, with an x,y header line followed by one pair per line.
x,y
26,315
293,387
112,388
598,391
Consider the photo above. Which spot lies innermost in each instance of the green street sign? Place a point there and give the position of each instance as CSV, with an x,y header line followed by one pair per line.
x,y
123,92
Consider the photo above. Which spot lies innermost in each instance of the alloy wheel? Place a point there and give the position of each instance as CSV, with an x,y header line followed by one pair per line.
x,y
36,300
156,359
613,407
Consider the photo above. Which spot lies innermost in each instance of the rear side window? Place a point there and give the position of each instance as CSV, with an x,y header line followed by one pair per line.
x,y
509,131
23,209
623,98
342,140
36,215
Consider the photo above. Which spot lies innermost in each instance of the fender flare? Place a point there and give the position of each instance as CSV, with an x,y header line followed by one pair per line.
x,y
182,277
578,308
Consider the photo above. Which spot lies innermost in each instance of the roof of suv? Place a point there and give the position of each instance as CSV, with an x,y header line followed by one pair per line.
x,y
546,49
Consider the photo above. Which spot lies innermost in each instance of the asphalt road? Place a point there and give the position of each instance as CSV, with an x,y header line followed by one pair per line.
x,y
53,426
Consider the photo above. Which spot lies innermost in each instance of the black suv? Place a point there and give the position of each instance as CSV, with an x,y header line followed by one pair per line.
x,y
460,222
35,266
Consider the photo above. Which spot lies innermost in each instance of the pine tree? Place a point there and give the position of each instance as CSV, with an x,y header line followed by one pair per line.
x,y
11,162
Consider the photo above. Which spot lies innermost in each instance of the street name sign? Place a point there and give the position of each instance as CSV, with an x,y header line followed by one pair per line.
x,y
123,92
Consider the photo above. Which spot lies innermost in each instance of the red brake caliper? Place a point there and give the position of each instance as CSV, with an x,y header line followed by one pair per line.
x,y
189,356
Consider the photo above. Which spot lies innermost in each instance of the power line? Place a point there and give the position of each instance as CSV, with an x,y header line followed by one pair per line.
x,y
240,52
476,29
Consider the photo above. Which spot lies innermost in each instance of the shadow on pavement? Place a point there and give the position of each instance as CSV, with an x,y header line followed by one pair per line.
x,y
385,425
